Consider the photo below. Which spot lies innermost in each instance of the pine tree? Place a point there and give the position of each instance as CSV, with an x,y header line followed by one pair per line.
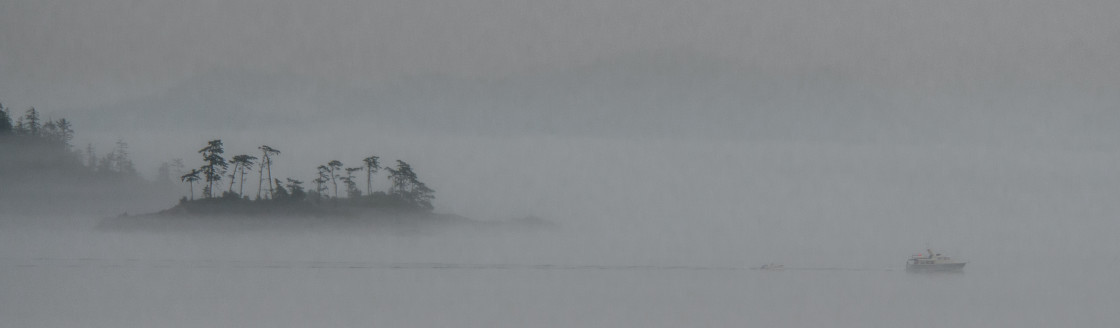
x,y
33,126
266,165
191,178
408,187
321,181
371,168
121,162
214,167
240,164
333,167
352,190
65,132
5,121
295,187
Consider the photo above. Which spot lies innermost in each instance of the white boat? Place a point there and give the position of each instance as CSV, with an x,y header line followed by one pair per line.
x,y
932,262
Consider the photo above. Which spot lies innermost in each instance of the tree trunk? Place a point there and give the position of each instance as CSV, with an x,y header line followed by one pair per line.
x,y
334,182
210,184
260,179
241,187
270,192
232,177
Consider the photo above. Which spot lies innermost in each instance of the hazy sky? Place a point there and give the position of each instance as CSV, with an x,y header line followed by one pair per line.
x,y
167,75
67,54
718,133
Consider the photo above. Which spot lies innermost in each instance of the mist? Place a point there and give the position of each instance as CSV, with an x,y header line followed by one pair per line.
x,y
594,163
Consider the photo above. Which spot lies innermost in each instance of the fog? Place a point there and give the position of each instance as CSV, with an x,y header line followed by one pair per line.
x,y
671,148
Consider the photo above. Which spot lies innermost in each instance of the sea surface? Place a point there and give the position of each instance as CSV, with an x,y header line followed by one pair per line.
x,y
90,278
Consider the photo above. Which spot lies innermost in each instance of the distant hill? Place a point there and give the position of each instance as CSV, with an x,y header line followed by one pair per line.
x,y
633,96
41,174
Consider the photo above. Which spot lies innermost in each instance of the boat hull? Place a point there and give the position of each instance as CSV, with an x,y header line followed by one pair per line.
x,y
939,267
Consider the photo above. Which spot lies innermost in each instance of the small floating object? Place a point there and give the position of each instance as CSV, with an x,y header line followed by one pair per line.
x,y
772,267
932,262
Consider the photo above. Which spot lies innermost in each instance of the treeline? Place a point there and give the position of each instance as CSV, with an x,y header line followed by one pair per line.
x,y
37,159
30,125
32,142
44,175
217,172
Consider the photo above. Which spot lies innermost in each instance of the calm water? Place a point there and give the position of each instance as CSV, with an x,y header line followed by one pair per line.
x,y
93,279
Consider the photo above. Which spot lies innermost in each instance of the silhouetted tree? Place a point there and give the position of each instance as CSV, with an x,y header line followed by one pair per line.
x,y
191,177
20,128
49,132
281,194
371,168
124,163
5,121
107,163
214,167
117,161
32,125
177,166
407,186
240,164
400,177
65,132
266,165
321,181
352,190
333,167
295,187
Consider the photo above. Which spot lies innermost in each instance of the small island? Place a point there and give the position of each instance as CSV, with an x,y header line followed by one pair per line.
x,y
43,162
287,203
289,197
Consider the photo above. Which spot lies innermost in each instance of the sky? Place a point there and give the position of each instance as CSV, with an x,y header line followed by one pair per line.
x,y
341,79
79,54
669,141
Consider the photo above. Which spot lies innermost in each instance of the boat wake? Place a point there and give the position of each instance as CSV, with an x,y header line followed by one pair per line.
x,y
353,265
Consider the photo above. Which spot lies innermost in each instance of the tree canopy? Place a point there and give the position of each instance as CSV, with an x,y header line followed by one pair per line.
x,y
406,191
